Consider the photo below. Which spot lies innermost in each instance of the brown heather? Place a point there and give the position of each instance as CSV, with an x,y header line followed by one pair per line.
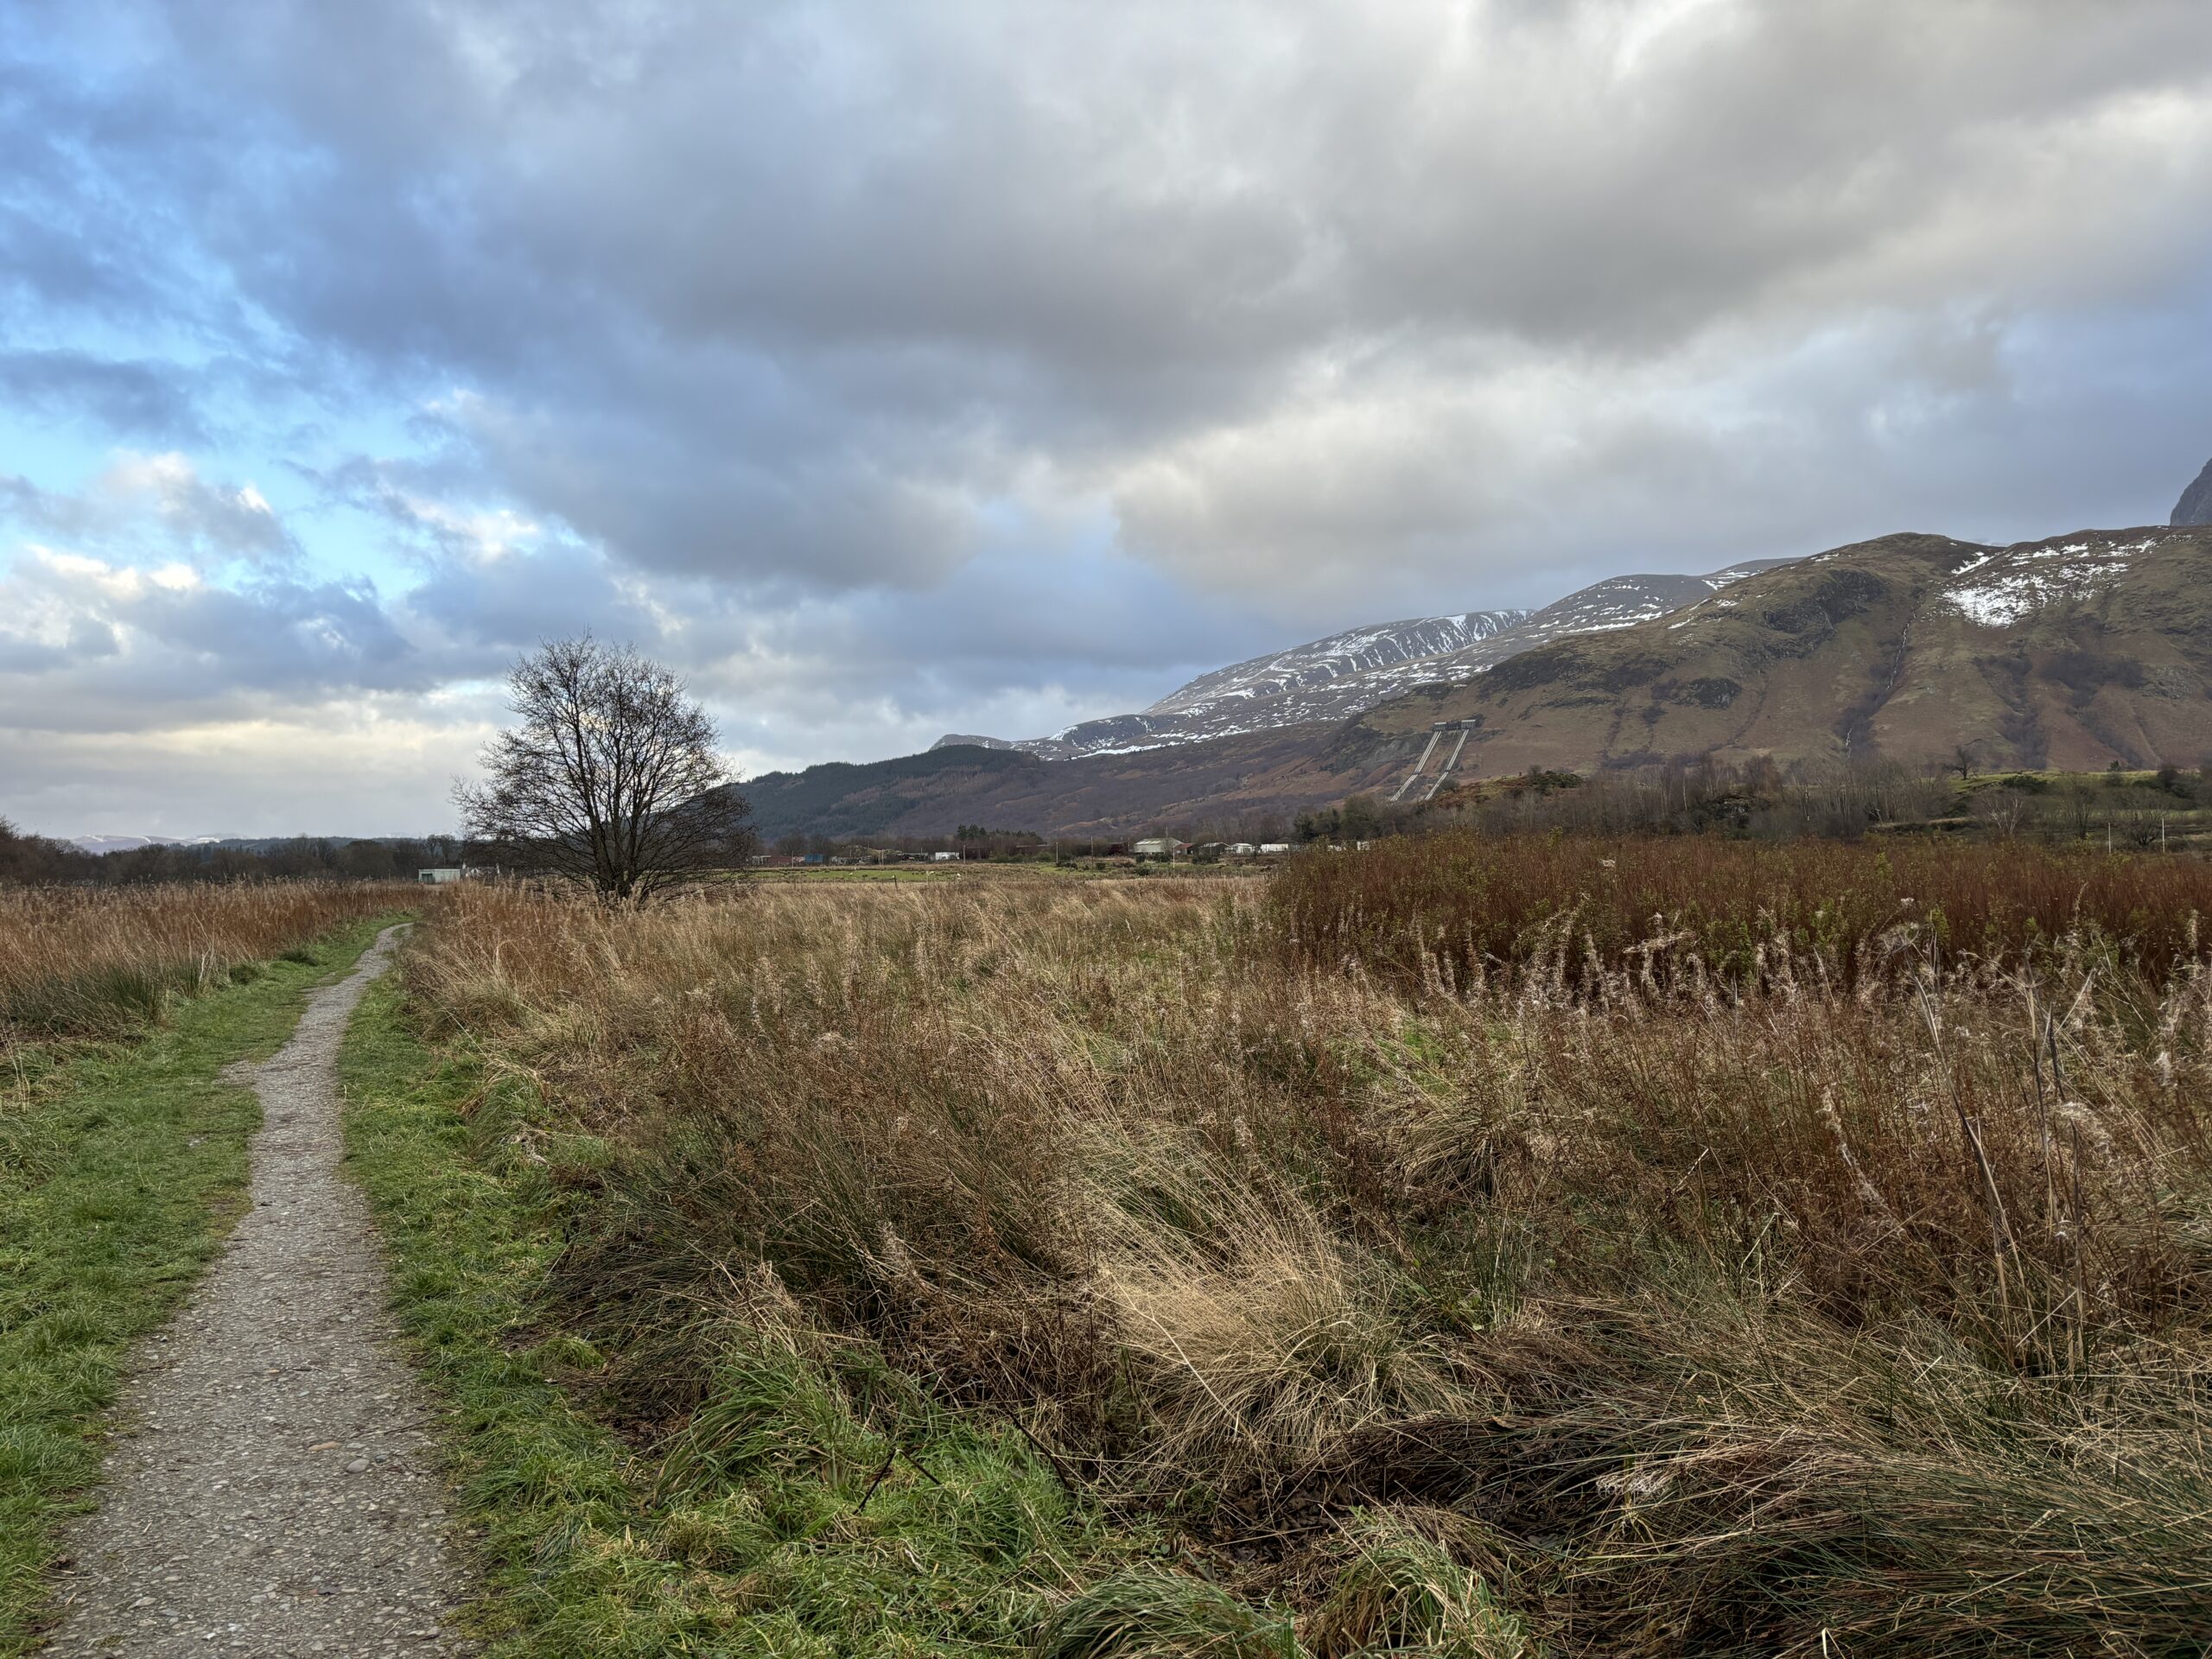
x,y
78,961
1830,1280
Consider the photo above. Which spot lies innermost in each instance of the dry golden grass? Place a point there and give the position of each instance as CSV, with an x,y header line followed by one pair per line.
x,y
96,961
1718,1314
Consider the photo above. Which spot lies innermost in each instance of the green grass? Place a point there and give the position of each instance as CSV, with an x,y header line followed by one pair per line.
x,y
121,1170
816,1502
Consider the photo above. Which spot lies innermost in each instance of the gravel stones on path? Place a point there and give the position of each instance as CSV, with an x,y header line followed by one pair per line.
x,y
275,1491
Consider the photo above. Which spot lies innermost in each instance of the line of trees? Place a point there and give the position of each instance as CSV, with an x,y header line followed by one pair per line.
x,y
29,859
1760,801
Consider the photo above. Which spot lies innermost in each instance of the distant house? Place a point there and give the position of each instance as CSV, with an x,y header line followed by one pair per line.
x,y
943,858
1240,849
438,878
1160,847
1267,847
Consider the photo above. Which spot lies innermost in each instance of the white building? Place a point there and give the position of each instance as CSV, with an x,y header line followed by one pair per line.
x,y
438,878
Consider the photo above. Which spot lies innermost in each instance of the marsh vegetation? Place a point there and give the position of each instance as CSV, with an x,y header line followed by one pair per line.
x,y
1483,1247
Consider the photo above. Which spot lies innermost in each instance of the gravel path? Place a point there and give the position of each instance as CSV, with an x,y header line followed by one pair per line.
x,y
275,1493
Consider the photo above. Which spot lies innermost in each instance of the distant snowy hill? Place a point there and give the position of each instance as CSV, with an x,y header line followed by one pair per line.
x,y
1330,663
1348,673
132,843
2078,652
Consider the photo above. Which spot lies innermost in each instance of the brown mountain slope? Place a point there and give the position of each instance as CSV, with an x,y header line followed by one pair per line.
x,y
2072,652
1250,776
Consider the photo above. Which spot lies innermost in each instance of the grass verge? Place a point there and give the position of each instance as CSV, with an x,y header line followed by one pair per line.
x,y
815,1502
121,1171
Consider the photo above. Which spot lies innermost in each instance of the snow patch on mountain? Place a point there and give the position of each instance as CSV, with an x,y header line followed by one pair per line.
x,y
1341,656
2014,582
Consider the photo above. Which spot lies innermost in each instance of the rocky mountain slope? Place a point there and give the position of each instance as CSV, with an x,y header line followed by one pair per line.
x,y
2195,506
1337,663
1330,679
2072,652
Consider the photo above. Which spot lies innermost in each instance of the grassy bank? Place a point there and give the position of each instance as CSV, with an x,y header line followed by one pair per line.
x,y
825,1504
122,1165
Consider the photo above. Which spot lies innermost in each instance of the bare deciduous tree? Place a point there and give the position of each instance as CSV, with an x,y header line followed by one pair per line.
x,y
611,777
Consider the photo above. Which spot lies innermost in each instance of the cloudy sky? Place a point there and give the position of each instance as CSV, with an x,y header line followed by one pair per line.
x,y
896,370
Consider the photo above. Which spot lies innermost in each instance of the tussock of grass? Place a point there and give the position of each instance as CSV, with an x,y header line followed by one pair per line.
x,y
1264,1336
1402,1591
121,1169
1153,1615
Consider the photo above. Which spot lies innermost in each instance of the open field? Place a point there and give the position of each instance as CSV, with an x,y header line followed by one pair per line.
x,y
90,962
1182,1267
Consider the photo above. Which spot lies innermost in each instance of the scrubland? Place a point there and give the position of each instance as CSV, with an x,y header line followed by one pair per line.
x,y
90,962
1470,1247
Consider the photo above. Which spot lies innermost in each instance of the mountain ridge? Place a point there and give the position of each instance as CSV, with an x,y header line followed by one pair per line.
x,y
1339,676
2075,651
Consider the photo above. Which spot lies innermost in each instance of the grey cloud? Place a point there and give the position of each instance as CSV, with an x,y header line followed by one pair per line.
x,y
157,501
489,609
1002,362
129,639
797,291
135,398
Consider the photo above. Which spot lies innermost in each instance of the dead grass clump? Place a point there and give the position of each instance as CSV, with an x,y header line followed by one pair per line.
x,y
1402,1591
1161,1615
1261,1336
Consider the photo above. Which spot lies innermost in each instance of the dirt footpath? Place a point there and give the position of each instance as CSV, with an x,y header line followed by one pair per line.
x,y
275,1492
